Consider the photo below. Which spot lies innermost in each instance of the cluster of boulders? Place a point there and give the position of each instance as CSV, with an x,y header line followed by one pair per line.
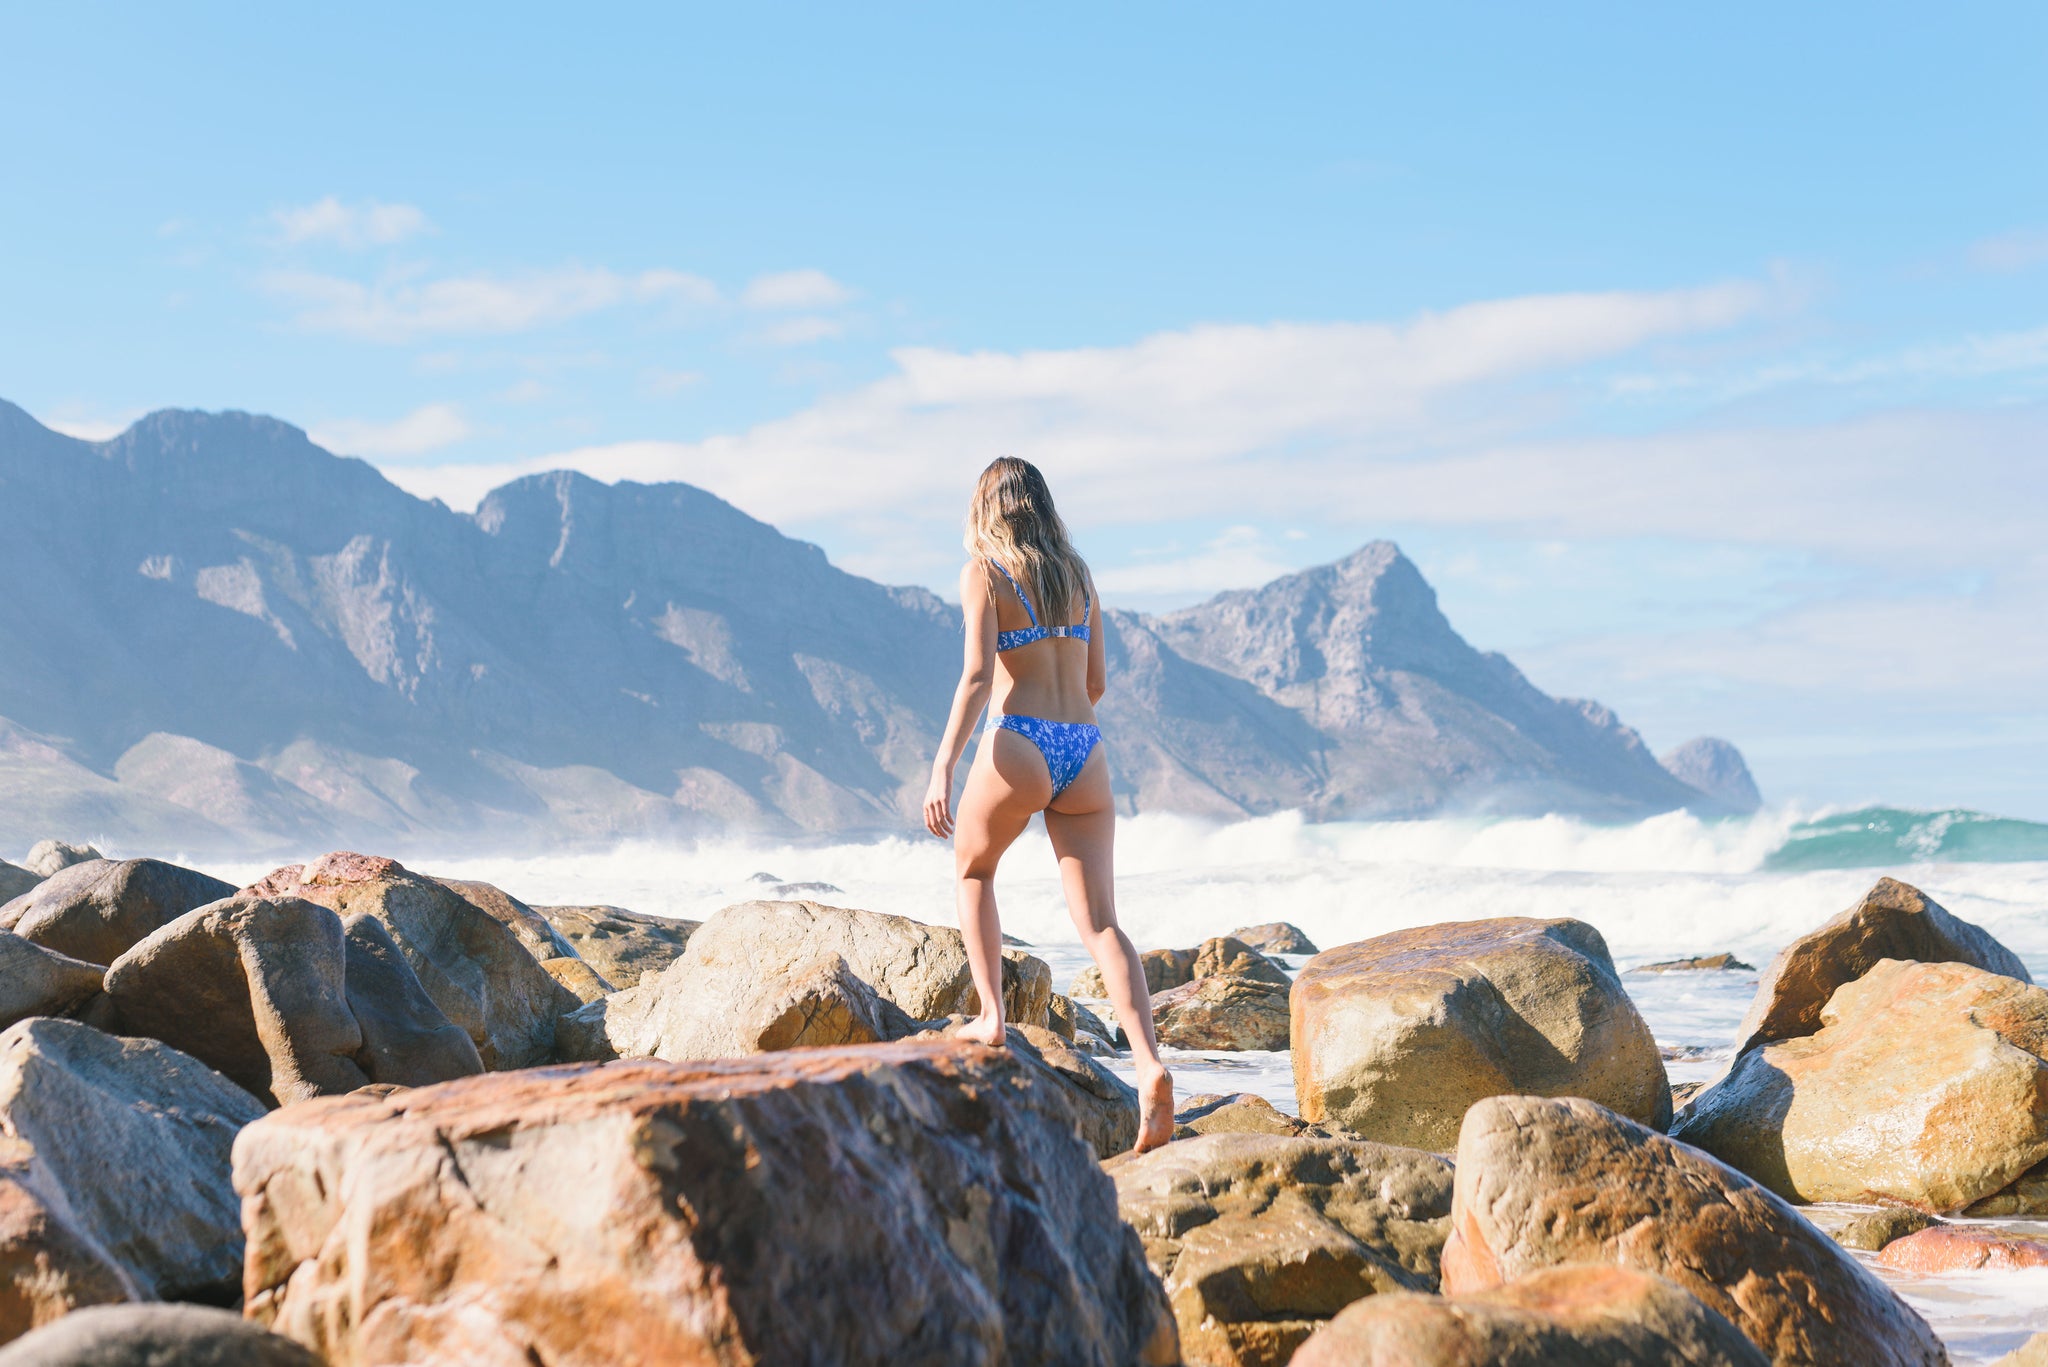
x,y
394,1118
1227,993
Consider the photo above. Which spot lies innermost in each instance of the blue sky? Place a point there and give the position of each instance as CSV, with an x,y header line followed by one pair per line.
x,y
1699,358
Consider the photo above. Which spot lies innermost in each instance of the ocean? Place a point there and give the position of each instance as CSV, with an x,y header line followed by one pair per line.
x,y
1669,887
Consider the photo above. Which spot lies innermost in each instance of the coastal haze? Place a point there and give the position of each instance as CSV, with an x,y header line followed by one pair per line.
x,y
226,639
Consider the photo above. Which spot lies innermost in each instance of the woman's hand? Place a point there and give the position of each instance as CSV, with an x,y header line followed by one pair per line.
x,y
938,804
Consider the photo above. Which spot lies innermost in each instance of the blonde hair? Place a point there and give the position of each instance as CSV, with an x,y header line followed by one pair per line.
x,y
1011,521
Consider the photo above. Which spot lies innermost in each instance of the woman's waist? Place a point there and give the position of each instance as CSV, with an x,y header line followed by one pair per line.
x,y
1043,704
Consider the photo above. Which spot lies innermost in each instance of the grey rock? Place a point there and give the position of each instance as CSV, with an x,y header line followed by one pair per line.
x,y
407,1040
1276,937
531,929
96,909
154,1336
1716,768
15,880
1067,1018
623,946
1872,1230
1699,963
46,857
41,982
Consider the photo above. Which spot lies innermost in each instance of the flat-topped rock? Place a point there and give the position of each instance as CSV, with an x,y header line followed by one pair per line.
x,y
622,946
1397,1036
97,909
1543,1182
1893,921
931,1201
1921,1087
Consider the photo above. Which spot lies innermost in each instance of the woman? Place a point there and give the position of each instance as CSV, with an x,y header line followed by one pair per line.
x,y
1034,639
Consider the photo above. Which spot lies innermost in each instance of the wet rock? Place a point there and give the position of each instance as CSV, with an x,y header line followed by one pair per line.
x,y
251,987
698,1010
1066,1017
1580,1314
1223,1012
1700,963
1873,1229
473,967
1164,968
623,946
1244,1113
154,1336
96,909
114,1173
15,880
47,857
930,1200
1275,937
1226,956
528,926
1395,1037
2028,1195
1261,1238
1962,1248
1543,1182
407,1040
1104,1105
1893,921
35,981
1919,1088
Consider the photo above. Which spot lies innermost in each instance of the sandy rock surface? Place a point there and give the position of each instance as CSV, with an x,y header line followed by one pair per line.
x,y
96,909
1397,1036
1222,1012
113,1172
1920,1087
474,967
1578,1314
913,1203
1260,1238
1541,1182
623,946
154,1336
1893,921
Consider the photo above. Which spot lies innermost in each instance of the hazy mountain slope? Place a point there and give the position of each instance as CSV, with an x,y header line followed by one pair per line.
x,y
212,632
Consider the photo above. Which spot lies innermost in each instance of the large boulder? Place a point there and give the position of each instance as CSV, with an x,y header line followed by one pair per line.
x,y
1543,1181
154,1336
694,1011
407,1040
114,1173
1228,956
254,988
1922,1087
623,946
913,1203
1893,921
921,969
473,967
1397,1036
1105,1106
35,981
15,880
1261,1238
95,910
1276,937
46,857
527,925
1222,1012
1579,1314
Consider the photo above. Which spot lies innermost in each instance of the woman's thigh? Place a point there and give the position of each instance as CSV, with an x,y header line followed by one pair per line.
x,y
1081,823
1006,785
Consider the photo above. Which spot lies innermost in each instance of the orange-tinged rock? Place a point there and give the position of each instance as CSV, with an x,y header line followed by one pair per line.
x,y
910,1203
1963,1248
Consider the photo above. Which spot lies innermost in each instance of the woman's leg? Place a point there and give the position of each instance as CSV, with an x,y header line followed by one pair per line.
x,y
1082,824
1007,783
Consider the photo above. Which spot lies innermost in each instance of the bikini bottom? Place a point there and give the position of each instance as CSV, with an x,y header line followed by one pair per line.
x,y
1066,745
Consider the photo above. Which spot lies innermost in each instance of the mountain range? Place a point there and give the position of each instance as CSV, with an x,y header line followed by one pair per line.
x,y
216,636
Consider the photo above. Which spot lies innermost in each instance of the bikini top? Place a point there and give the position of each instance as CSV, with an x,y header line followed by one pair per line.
x,y
1024,636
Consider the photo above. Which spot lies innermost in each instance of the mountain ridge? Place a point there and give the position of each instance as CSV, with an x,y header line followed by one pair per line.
x,y
217,626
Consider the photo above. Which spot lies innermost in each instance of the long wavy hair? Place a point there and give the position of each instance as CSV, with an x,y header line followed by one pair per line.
x,y
1011,521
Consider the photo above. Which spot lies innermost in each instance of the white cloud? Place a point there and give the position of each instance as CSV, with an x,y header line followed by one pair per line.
x,y
802,331
2014,251
427,428
401,309
804,289
1240,557
351,226
88,426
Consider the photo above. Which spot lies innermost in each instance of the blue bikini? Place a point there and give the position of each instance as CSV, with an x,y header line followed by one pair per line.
x,y
1066,745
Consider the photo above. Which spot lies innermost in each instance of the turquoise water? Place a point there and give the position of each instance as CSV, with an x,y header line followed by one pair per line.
x,y
1873,836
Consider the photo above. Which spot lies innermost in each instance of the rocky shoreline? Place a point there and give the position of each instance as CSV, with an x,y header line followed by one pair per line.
x,y
352,1113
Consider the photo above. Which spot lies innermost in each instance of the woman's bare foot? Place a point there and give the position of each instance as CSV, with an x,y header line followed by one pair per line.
x,y
984,1030
1155,1111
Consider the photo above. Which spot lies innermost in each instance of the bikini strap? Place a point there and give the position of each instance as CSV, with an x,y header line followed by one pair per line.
x,y
1020,590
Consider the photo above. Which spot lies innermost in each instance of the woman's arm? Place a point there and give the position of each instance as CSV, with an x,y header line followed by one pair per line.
x,y
977,678
1098,659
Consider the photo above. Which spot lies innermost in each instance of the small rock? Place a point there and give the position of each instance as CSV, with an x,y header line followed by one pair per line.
x,y
1164,968
1962,1248
1703,963
1583,1315
1872,1230
35,981
1222,1013
97,909
1683,1092
1067,1018
1226,957
623,946
49,856
1244,1113
154,1336
1276,937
